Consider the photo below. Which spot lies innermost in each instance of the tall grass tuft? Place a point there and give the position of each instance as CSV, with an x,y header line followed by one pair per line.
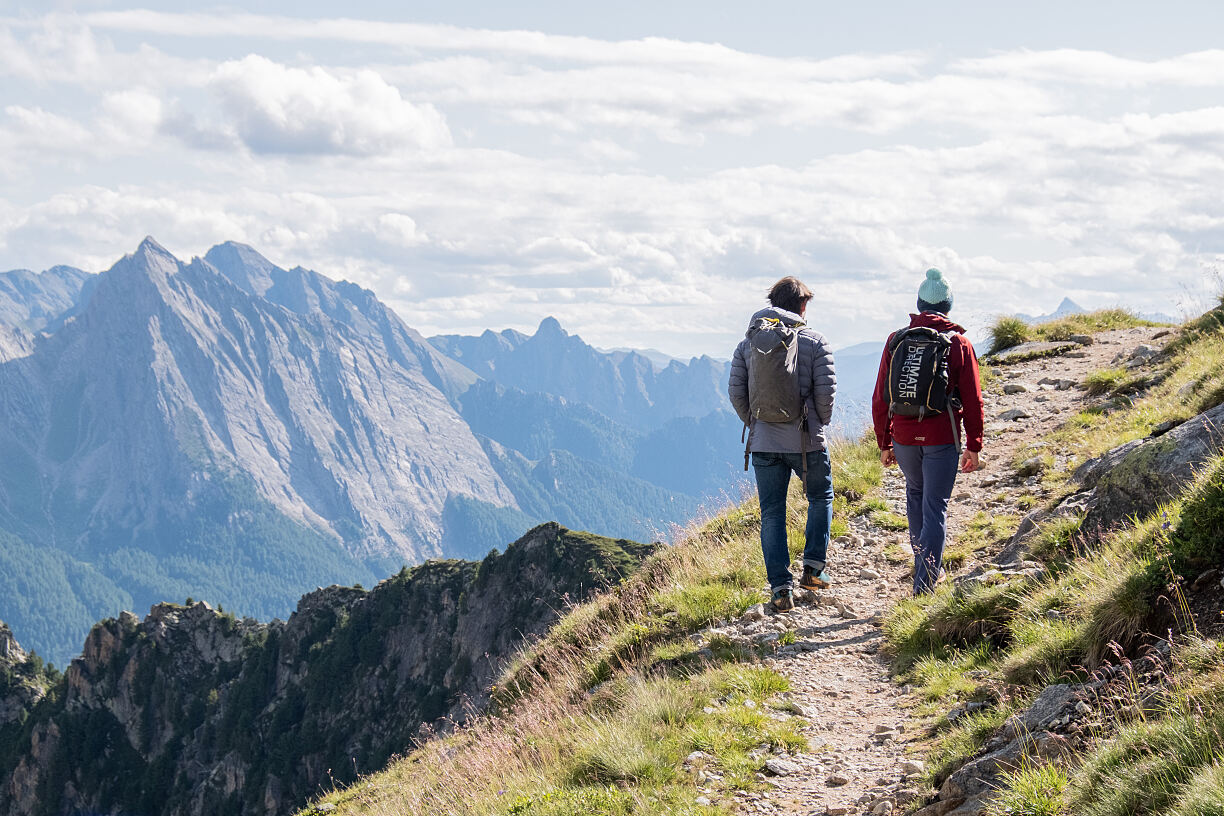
x,y
1008,332
1105,380
1033,790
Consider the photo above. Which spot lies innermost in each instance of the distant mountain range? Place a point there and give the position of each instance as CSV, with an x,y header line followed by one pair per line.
x,y
237,432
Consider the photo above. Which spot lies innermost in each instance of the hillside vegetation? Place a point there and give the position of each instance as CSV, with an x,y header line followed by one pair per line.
x,y
602,715
1116,603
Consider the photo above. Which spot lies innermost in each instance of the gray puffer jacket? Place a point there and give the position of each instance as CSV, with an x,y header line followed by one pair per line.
x,y
817,384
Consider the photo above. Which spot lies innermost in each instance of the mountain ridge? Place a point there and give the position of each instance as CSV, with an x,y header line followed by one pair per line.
x,y
228,429
193,711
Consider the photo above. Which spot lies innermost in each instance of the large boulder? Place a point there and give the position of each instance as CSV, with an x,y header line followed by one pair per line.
x,y
1135,478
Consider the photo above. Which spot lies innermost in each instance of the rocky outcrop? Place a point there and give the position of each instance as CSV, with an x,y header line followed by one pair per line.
x,y
192,711
1136,477
1131,480
22,682
1058,723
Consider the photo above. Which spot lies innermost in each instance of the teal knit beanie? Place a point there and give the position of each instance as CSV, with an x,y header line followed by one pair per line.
x,y
934,294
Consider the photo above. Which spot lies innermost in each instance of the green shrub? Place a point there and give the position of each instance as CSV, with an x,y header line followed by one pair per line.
x,y
1147,766
1198,539
1008,332
966,616
1105,381
1033,790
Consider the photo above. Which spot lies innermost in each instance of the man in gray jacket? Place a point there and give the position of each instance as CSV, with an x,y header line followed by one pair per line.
x,y
778,448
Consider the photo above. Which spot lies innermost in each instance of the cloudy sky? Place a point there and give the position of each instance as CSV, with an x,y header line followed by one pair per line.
x,y
641,170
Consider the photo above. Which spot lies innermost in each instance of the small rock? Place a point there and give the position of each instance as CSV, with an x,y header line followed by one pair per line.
x,y
1142,355
1083,708
1082,339
912,766
781,767
702,800
907,795
1065,385
326,808
749,704
836,810
795,708
837,779
1204,579
1015,414
1188,389
884,808
869,574
1016,388
1031,467
1161,333
754,613
696,756
883,729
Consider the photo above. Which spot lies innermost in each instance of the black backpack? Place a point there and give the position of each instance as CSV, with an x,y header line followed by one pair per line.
x,y
918,372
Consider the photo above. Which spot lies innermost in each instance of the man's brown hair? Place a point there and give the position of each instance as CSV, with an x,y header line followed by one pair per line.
x,y
789,294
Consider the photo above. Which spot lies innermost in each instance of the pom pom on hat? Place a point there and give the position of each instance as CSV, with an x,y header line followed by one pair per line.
x,y
934,292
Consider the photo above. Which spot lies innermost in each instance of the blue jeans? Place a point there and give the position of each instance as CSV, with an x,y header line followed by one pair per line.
x,y
930,473
773,474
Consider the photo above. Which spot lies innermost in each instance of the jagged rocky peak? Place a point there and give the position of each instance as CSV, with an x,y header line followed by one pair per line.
x,y
551,327
244,266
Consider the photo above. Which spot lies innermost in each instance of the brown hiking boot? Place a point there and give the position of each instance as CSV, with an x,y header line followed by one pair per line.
x,y
814,580
782,601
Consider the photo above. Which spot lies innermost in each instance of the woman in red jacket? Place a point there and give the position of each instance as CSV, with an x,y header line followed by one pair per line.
x,y
928,447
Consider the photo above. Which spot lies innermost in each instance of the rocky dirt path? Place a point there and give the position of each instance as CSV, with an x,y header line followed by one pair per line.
x,y
864,754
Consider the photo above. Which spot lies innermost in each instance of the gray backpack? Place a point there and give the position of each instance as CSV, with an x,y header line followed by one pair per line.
x,y
773,379
773,371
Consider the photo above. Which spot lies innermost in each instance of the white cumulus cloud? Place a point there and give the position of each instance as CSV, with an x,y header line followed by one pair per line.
x,y
273,108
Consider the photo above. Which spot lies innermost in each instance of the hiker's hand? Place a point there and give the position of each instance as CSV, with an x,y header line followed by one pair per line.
x,y
887,457
969,461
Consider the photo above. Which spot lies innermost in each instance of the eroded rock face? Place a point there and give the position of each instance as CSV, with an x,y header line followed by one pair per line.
x,y
192,711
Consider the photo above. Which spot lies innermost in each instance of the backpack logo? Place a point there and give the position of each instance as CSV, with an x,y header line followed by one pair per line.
x,y
773,372
918,372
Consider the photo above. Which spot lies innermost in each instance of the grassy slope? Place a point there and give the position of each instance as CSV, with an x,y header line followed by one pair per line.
x,y
600,716
998,645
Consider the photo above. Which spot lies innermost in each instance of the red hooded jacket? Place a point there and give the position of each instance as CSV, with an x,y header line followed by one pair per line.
x,y
934,430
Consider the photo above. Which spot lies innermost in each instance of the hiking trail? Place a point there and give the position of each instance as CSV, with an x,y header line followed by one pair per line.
x,y
864,753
